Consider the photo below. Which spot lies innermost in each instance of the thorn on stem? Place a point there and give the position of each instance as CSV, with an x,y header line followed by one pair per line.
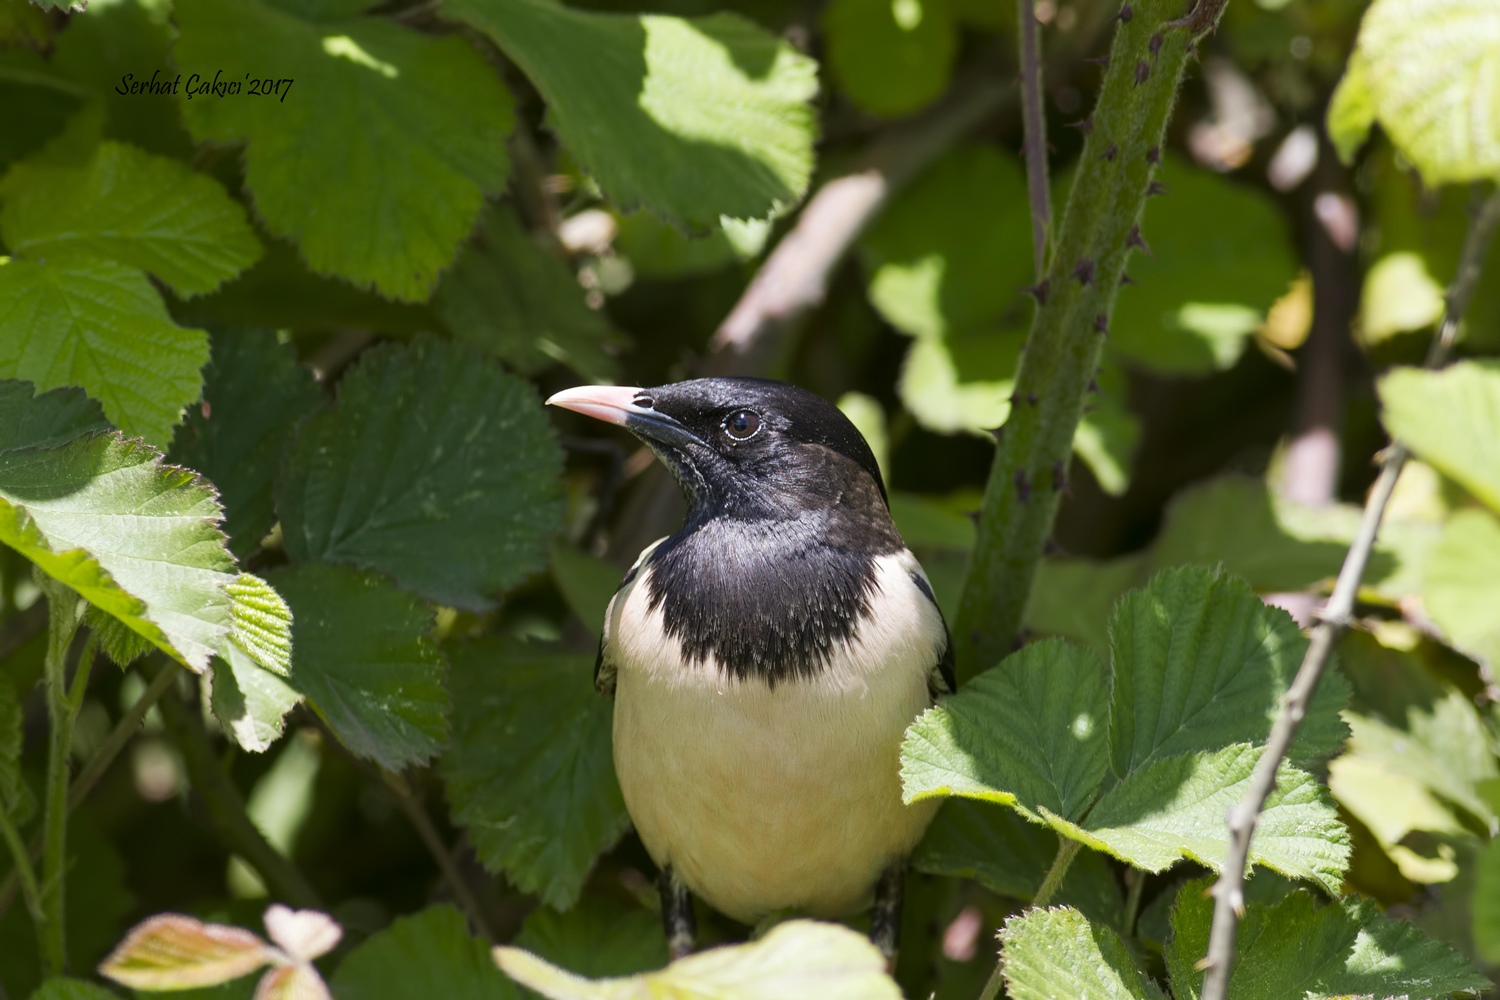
x,y
1136,240
1098,60
1084,125
1126,13
1155,188
1126,279
1101,324
1142,72
1060,478
1038,291
1094,386
1031,397
1084,272
1154,46
1023,486
1153,155
1109,154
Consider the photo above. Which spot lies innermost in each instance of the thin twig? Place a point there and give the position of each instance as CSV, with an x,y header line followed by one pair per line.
x,y
1067,850
23,870
1034,126
1229,891
226,809
416,813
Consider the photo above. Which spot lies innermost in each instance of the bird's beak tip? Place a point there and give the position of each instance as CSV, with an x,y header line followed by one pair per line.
x,y
611,403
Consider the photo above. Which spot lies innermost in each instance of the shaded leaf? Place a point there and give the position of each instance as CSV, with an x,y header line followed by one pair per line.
x,y
692,118
1425,70
254,395
365,661
596,938
172,951
395,136
135,538
1487,904
510,298
890,58
1031,733
1304,947
71,989
797,960
529,770
11,787
429,954
46,420
1056,954
99,325
1451,418
587,583
435,467
148,212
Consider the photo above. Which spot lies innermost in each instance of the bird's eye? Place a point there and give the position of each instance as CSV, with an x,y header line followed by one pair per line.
x,y
742,425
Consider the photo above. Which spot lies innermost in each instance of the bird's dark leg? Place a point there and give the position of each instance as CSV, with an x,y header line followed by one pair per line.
x,y
885,915
677,915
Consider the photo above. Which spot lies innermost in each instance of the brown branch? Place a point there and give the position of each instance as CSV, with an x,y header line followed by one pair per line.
x,y
1229,891
1034,127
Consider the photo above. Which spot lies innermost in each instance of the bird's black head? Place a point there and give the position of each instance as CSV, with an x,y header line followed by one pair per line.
x,y
745,447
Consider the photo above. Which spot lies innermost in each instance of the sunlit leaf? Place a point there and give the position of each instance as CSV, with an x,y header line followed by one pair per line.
x,y
392,137
1056,954
798,960
509,297
1451,418
172,951
1487,904
1031,733
254,394
435,466
1424,69
364,659
1304,946
251,695
148,212
1398,295
427,955
529,769
692,118
99,325
1461,589
890,58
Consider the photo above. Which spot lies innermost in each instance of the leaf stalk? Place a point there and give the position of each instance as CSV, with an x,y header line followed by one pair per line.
x,y
1229,890
64,612
1067,850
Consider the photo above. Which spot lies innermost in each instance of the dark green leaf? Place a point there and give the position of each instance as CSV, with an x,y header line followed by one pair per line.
x,y
364,659
692,118
890,58
254,394
71,989
597,938
47,420
587,583
510,298
11,786
395,136
530,773
427,955
435,467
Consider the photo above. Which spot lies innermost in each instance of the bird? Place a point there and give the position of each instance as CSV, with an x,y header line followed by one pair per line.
x,y
766,659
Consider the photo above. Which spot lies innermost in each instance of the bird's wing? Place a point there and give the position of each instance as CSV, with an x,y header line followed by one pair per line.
x,y
604,667
940,680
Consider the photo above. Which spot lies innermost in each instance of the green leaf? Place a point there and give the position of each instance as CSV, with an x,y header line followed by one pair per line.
x,y
427,955
587,583
71,989
961,382
932,272
510,298
365,661
11,787
1056,954
598,937
1204,289
1009,856
691,118
529,770
1073,597
1351,111
658,249
99,325
135,538
1174,809
148,212
23,24
395,136
1108,434
1425,71
797,960
435,467
1460,591
1199,663
1487,904
890,58
1451,418
251,695
171,951
1399,295
1031,733
1302,947
46,420
254,395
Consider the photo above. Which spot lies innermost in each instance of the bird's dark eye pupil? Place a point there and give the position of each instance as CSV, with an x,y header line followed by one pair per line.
x,y
742,424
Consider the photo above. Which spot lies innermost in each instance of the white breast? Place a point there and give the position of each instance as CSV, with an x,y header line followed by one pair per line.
x,y
765,798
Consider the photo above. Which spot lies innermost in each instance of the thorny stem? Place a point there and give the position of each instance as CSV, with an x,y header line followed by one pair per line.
x,y
1137,879
416,813
226,809
1229,891
1067,850
1034,127
1100,228
64,614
